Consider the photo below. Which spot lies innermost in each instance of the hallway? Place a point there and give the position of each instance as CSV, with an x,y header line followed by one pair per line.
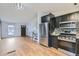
x,y
24,46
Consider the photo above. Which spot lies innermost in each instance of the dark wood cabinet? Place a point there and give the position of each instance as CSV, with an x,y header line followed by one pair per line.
x,y
49,40
55,41
52,25
69,32
66,45
77,47
58,19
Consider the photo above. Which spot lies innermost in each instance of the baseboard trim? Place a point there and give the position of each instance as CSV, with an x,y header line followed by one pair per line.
x,y
66,52
9,37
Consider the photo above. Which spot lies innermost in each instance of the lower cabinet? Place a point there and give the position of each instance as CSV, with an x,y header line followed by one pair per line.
x,y
49,40
55,41
71,47
68,46
77,47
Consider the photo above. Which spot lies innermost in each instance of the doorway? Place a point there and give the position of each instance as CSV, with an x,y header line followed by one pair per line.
x,y
23,30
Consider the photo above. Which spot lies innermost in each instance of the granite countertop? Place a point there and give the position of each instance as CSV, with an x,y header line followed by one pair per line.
x,y
55,34
77,35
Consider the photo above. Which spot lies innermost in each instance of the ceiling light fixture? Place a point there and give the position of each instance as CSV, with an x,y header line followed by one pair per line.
x,y
19,6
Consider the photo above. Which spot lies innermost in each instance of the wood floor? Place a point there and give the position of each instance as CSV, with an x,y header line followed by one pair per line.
x,y
24,46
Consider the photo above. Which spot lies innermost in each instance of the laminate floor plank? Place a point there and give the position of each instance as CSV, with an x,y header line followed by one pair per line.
x,y
25,46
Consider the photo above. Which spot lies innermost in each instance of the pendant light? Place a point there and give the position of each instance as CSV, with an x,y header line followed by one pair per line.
x,y
19,5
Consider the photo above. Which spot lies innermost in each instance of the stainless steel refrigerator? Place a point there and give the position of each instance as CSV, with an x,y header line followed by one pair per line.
x,y
44,34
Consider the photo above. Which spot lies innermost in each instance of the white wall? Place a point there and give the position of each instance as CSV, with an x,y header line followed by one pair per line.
x,y
32,26
5,29
17,29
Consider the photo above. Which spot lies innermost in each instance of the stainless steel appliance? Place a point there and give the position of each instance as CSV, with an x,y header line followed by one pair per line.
x,y
44,34
47,26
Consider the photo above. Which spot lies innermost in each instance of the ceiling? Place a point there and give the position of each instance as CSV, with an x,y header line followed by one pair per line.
x,y
56,7
9,11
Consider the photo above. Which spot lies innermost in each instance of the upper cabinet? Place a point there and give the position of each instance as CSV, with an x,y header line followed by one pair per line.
x,y
68,17
47,18
73,16
58,19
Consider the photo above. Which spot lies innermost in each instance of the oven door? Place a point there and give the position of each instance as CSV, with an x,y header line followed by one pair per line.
x,y
68,46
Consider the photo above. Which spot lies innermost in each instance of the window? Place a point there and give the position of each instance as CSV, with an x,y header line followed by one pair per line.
x,y
11,29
